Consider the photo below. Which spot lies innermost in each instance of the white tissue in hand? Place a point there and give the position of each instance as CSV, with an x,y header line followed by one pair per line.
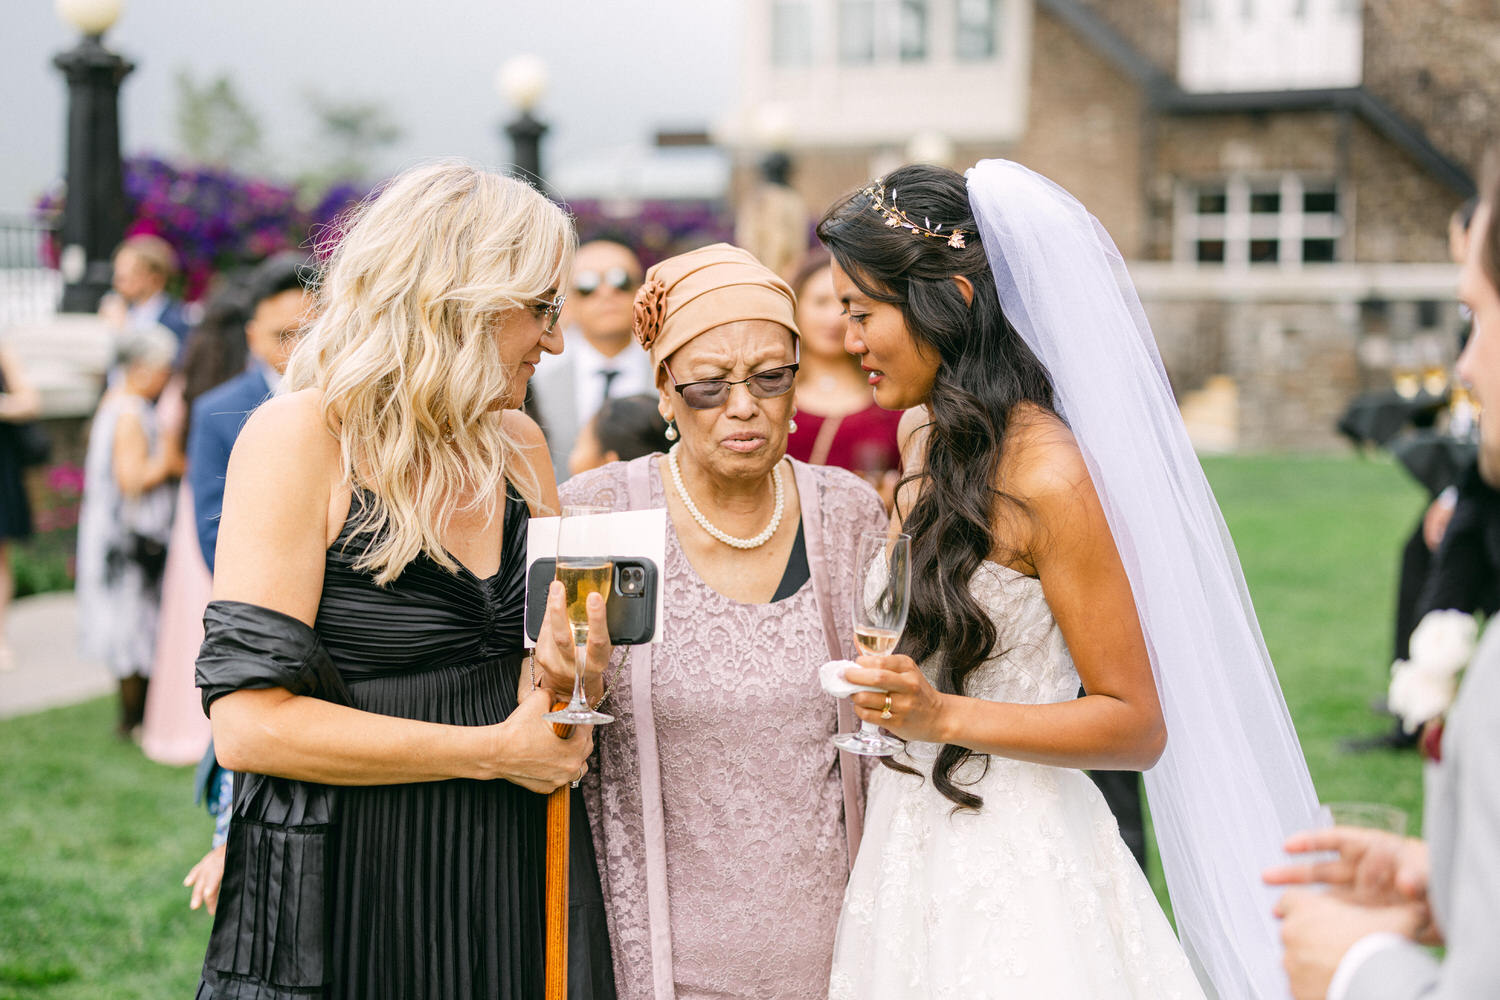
x,y
832,676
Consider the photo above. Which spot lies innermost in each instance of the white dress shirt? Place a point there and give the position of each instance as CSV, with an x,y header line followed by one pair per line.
x,y
632,367
147,313
1338,987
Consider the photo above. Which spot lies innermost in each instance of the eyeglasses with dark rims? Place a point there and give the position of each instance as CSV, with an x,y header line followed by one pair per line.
x,y
709,393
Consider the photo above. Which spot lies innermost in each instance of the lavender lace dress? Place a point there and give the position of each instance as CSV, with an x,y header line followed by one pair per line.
x,y
722,842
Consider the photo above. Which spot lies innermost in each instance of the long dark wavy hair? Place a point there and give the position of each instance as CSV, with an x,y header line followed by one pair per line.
x,y
984,370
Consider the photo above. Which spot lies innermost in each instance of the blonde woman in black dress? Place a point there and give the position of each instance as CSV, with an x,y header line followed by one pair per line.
x,y
363,661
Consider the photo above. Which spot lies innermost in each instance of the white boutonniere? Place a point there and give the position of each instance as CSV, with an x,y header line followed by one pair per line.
x,y
1423,686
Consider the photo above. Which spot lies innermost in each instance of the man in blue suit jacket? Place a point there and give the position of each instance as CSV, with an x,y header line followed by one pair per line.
x,y
283,306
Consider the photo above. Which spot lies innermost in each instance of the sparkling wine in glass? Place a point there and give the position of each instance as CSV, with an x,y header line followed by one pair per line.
x,y
882,590
583,568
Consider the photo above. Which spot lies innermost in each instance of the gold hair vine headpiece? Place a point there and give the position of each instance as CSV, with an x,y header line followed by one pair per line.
x,y
896,218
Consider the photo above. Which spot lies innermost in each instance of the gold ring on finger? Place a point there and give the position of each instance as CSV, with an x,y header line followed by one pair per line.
x,y
885,713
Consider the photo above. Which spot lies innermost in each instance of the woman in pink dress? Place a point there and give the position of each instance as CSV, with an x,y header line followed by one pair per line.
x,y
724,821
175,730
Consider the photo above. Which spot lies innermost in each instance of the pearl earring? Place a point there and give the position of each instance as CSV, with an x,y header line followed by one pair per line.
x,y
671,431
791,426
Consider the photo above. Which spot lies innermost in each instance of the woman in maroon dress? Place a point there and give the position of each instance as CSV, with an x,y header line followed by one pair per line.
x,y
837,421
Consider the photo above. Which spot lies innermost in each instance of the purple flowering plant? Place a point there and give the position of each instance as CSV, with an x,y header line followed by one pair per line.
x,y
217,219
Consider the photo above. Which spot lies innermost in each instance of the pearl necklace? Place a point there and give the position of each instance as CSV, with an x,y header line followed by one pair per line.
x,y
723,536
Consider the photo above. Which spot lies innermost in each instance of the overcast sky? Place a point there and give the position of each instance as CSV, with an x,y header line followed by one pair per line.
x,y
618,72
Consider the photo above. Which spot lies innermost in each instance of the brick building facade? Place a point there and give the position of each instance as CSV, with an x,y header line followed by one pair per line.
x,y
1285,218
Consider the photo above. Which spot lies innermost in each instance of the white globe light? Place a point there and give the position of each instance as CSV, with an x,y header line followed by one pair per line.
x,y
522,81
92,17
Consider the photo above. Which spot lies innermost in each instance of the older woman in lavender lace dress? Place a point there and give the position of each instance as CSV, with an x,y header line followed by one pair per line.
x,y
724,821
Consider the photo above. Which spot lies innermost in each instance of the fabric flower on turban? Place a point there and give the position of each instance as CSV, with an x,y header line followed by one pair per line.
x,y
650,311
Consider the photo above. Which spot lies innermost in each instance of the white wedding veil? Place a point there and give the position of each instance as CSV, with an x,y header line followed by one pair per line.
x,y
1232,783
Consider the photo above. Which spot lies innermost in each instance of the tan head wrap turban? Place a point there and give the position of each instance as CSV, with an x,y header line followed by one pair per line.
x,y
696,291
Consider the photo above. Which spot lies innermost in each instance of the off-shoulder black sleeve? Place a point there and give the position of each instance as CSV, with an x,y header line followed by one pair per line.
x,y
247,646
269,940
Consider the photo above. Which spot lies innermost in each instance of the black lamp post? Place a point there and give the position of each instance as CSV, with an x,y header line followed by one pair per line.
x,y
521,81
526,144
94,216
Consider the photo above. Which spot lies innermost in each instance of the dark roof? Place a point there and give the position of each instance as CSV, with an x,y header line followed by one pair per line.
x,y
1165,95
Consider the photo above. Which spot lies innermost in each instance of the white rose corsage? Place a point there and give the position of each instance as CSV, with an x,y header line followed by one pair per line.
x,y
1423,686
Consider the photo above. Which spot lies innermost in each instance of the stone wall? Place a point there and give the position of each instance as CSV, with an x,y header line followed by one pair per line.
x,y
1084,129
1151,26
1298,346
1296,366
1400,211
1434,63
1191,336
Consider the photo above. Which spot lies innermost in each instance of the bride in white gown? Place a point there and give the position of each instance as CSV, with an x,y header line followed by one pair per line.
x,y
1062,533
1035,894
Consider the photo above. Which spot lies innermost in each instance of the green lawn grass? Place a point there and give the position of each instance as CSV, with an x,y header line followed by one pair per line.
x,y
94,843
1319,541
94,839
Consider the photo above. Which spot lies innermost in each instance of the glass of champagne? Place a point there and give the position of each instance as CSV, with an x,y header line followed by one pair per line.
x,y
1407,383
583,567
882,592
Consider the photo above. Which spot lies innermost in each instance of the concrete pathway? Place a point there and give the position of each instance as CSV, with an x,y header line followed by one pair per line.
x,y
49,670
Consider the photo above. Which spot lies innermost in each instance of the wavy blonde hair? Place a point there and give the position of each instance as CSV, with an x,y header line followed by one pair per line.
x,y
405,354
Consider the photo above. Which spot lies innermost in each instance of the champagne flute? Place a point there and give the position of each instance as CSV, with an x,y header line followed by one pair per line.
x,y
882,590
584,568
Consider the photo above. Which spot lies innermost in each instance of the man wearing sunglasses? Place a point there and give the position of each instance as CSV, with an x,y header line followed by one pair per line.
x,y
600,359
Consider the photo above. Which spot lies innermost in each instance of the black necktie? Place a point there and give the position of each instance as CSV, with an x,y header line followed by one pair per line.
x,y
609,379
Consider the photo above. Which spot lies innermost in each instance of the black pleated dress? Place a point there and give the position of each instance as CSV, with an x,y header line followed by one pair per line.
x,y
428,890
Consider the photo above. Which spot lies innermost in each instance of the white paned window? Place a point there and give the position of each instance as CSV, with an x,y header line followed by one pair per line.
x,y
791,33
911,30
883,31
1245,221
856,31
976,30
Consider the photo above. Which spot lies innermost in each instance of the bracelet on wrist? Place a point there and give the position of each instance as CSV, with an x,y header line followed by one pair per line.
x,y
609,679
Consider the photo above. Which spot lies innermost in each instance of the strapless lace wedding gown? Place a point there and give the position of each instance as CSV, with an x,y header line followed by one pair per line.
x,y
1035,896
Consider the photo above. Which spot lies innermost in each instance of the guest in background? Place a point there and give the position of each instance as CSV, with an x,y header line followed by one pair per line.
x,y
143,267
837,422
19,402
601,361
1419,554
622,430
175,730
772,221
125,518
281,306
1391,895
